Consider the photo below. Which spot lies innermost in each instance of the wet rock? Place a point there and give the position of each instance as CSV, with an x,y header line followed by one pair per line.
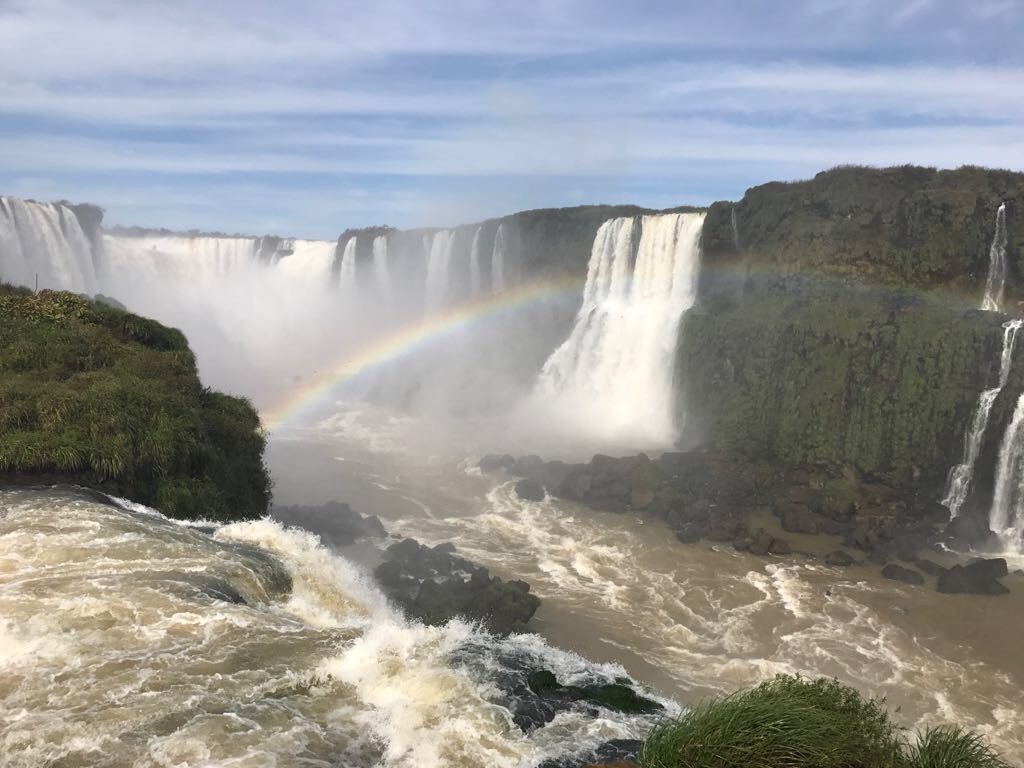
x,y
929,567
435,585
994,567
336,524
780,547
531,466
617,753
493,462
797,518
763,543
839,559
617,696
530,490
899,573
967,530
975,578
690,534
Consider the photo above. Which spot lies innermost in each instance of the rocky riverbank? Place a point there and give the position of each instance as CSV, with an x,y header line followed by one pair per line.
x,y
759,507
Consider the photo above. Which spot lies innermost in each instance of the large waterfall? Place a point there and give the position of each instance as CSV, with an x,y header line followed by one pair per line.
x,y
959,482
439,259
45,244
614,373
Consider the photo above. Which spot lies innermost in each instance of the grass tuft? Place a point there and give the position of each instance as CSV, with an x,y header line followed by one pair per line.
x,y
953,748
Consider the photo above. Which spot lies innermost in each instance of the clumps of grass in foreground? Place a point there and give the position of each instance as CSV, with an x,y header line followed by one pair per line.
x,y
790,722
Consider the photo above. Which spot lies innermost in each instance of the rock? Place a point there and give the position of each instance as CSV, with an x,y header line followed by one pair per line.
x,y
617,696
435,585
690,534
974,578
531,466
899,573
780,547
337,524
967,530
993,567
839,559
929,567
797,518
530,490
493,462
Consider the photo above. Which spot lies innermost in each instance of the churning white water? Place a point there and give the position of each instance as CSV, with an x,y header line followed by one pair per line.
x,y
613,375
45,242
995,284
959,482
128,639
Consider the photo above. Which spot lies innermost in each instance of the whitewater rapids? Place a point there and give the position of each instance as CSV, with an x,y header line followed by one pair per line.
x,y
127,639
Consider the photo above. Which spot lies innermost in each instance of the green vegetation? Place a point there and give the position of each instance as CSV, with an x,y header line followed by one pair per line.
x,y
94,395
790,722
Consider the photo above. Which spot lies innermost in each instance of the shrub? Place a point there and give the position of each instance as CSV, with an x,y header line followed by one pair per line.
x,y
953,748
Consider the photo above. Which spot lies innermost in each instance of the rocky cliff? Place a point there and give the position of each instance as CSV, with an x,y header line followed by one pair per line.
x,y
836,320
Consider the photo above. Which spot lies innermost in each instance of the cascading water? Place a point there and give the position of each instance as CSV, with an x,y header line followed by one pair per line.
x,y
959,482
347,273
381,271
45,240
614,372
498,261
1006,516
995,285
439,260
474,264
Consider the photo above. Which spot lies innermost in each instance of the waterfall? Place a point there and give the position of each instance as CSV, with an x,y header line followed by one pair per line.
x,y
381,272
996,282
438,270
735,228
614,373
309,259
498,261
960,476
45,239
1006,516
347,273
474,264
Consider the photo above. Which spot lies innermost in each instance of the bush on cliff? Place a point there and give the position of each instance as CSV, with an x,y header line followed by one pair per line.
x,y
98,396
790,722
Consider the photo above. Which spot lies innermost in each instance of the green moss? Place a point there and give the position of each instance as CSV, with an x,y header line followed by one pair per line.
x,y
98,396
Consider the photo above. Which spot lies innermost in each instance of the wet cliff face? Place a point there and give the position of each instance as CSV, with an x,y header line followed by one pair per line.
x,y
835,320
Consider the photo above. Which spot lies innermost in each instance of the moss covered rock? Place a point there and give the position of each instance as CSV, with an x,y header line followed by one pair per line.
x,y
94,395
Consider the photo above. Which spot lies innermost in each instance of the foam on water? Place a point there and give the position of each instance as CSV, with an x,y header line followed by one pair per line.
x,y
186,648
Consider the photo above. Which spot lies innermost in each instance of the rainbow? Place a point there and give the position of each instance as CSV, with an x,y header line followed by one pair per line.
x,y
408,338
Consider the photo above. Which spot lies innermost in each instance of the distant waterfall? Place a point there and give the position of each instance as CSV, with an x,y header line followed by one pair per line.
x,y
381,271
347,273
996,282
960,476
498,261
45,239
474,264
614,373
438,270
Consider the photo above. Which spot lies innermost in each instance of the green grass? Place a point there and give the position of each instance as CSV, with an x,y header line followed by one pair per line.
x,y
790,722
953,748
95,395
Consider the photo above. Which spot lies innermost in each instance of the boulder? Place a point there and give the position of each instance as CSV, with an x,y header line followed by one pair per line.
x,y
973,579
929,567
899,573
839,558
797,518
336,524
494,462
763,543
530,490
531,466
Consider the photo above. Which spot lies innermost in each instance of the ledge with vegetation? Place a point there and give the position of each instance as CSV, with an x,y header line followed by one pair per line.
x,y
96,396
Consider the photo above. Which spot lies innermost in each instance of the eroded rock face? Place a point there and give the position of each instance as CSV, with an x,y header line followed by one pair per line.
x,y
435,585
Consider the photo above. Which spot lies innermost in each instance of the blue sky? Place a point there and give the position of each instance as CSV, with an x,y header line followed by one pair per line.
x,y
306,117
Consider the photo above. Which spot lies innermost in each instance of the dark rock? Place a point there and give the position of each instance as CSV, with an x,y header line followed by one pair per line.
x,y
780,547
899,573
992,567
431,585
839,558
690,534
929,567
617,696
530,490
975,579
797,518
967,530
493,462
337,524
529,466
